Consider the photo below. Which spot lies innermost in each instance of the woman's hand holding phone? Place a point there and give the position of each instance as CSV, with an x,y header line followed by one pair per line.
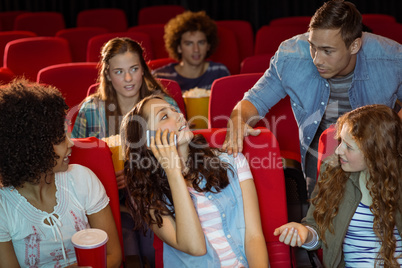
x,y
164,149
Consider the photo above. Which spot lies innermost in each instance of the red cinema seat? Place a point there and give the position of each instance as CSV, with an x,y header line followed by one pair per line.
x,y
41,23
270,184
25,57
159,14
92,89
256,64
78,39
73,80
226,92
391,30
7,36
374,20
269,37
291,21
96,43
155,32
95,155
244,36
7,19
6,76
326,146
113,19
280,119
227,51
157,63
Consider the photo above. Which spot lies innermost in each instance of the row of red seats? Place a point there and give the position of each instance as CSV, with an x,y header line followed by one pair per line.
x,y
116,22
48,23
231,50
85,43
237,49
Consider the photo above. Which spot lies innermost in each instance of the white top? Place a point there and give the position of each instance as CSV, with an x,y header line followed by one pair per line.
x,y
361,245
210,217
79,193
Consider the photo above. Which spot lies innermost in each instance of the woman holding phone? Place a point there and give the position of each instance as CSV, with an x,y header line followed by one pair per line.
x,y
201,202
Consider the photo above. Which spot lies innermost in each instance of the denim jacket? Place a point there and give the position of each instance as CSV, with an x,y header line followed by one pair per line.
x,y
377,79
230,205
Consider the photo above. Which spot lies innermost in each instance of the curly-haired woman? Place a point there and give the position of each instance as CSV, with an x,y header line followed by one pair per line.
x,y
200,202
190,38
355,216
43,199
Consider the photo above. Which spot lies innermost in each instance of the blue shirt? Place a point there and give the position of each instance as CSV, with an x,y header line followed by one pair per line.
x,y
230,205
214,71
376,80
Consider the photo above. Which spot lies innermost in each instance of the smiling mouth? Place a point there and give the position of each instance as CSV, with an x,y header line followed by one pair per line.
x,y
182,127
67,157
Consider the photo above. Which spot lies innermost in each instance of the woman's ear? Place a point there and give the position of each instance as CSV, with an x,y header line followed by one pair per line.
x,y
355,46
106,74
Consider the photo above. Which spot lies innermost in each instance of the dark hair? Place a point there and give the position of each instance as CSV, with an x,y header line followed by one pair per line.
x,y
377,130
190,22
32,120
339,14
147,183
106,91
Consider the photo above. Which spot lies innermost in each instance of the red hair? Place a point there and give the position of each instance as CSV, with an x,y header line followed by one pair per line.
x,y
377,130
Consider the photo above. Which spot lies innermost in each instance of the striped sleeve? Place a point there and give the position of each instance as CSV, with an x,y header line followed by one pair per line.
x,y
243,168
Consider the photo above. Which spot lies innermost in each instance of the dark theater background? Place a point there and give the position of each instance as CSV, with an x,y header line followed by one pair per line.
x,y
257,12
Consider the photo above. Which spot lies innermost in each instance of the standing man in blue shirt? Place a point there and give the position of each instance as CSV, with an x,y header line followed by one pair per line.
x,y
330,70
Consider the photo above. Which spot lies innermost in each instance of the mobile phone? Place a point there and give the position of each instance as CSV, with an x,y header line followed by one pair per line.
x,y
152,133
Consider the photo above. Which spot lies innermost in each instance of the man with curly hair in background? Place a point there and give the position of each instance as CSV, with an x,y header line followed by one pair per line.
x,y
190,38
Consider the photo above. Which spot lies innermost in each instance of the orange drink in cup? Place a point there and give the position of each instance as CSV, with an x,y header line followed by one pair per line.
x,y
114,144
117,157
197,103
